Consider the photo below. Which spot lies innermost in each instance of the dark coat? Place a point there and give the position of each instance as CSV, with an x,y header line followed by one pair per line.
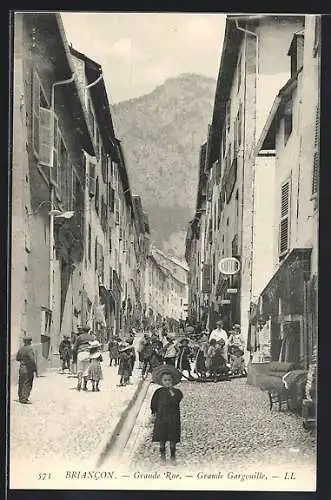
x,y
65,349
183,362
165,407
113,349
218,361
26,357
125,365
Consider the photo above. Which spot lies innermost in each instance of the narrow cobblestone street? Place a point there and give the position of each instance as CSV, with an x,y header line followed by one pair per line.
x,y
65,424
229,424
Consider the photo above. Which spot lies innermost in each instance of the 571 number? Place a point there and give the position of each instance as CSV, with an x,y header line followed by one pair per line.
x,y
42,476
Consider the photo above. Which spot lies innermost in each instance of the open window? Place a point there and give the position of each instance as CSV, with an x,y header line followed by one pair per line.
x,y
42,124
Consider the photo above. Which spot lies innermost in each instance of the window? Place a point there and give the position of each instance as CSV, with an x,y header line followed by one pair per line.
x,y
234,246
110,242
316,163
75,190
104,164
284,229
92,180
288,121
42,124
237,204
97,192
239,74
89,247
111,198
91,116
62,165
117,211
317,35
228,115
96,254
296,53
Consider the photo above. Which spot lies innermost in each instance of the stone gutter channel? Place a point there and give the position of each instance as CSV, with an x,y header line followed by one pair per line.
x,y
114,444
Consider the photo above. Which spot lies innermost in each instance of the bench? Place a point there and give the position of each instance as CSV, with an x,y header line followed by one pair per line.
x,y
284,385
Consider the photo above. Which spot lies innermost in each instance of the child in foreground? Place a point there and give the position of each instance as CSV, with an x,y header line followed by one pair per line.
x,y
165,407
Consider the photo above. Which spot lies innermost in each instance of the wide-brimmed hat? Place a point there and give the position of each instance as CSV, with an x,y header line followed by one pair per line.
x,y
94,343
161,370
219,321
85,329
27,338
185,339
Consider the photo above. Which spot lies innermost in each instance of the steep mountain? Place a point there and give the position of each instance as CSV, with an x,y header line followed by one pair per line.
x,y
161,134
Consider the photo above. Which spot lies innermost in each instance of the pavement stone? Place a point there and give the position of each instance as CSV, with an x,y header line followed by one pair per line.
x,y
62,423
229,424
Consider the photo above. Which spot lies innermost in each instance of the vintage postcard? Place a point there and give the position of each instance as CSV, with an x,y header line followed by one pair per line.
x,y
164,249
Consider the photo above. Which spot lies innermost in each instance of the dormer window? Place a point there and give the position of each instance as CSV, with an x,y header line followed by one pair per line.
x,y
296,52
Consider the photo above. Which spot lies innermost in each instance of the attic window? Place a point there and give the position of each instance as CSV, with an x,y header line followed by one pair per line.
x,y
288,121
296,53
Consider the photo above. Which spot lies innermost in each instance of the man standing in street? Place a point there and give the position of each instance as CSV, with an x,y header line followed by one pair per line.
x,y
82,350
65,352
219,334
28,368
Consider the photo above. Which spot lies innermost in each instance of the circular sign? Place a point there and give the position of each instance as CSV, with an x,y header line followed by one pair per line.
x,y
229,266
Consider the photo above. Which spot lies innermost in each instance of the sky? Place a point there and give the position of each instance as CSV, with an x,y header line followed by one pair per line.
x,y
139,51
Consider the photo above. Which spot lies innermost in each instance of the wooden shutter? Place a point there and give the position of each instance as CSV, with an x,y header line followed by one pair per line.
x,y
55,169
45,136
35,112
316,160
284,231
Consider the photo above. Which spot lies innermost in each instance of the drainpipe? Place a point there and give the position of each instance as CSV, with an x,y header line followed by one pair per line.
x,y
95,82
252,33
51,215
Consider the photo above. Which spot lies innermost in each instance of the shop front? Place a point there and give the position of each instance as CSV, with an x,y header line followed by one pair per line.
x,y
280,318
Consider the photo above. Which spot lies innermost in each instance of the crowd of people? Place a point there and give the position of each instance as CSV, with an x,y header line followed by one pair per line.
x,y
197,355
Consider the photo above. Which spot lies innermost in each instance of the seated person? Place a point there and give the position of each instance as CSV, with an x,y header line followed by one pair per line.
x,y
219,366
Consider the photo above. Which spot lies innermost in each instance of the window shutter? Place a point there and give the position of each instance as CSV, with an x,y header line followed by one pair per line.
x,y
55,151
284,232
35,111
316,160
45,137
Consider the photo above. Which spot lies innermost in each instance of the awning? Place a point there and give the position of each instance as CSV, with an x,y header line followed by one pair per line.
x,y
287,284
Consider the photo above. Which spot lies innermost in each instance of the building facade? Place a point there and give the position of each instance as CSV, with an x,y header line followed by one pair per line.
x,y
83,236
51,133
288,302
254,64
166,291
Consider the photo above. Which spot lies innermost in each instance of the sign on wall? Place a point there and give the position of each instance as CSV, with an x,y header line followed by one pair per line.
x,y
229,266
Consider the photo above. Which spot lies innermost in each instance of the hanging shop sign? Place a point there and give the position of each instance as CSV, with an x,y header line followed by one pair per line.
x,y
229,266
225,302
232,290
